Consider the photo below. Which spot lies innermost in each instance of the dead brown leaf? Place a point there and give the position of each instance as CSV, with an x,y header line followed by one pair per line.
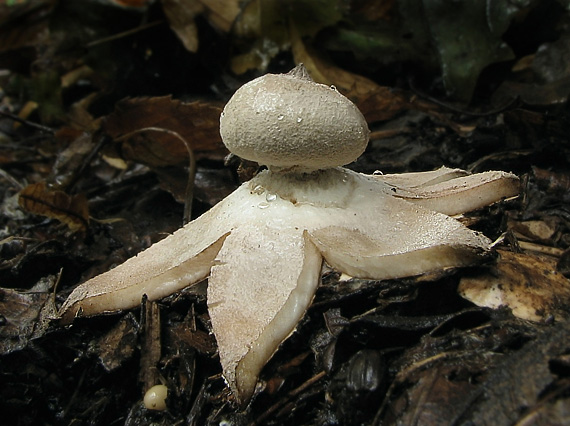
x,y
24,25
544,77
440,387
196,122
475,377
372,10
181,17
25,314
221,13
526,283
377,103
72,210
118,345
71,160
557,184
551,93
534,230
132,3
197,339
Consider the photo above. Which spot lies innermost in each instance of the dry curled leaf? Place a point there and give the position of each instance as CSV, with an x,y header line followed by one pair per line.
x,y
196,122
72,210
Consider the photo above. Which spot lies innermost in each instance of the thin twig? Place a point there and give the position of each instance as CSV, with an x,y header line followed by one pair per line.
x,y
290,395
124,33
20,120
88,159
189,195
4,174
501,108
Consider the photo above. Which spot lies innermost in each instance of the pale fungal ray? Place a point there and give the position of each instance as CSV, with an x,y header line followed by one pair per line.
x,y
255,299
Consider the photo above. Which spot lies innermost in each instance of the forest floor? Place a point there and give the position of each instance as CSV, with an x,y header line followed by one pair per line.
x,y
84,187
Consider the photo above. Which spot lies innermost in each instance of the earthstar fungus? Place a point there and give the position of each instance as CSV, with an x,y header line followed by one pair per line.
x,y
263,246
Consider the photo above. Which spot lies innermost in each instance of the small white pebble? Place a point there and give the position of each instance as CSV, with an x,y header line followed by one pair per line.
x,y
155,398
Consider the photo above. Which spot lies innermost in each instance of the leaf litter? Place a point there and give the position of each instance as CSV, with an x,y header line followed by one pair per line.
x,y
385,346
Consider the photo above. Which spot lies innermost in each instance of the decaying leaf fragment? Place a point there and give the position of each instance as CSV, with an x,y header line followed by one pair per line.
x,y
181,17
377,103
196,122
374,101
70,209
526,283
497,372
263,246
25,314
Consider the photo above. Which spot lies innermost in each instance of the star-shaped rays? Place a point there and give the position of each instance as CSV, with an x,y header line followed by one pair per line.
x,y
262,249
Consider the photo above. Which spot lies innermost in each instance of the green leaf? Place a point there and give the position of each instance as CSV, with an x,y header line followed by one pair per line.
x,y
460,37
311,16
467,36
